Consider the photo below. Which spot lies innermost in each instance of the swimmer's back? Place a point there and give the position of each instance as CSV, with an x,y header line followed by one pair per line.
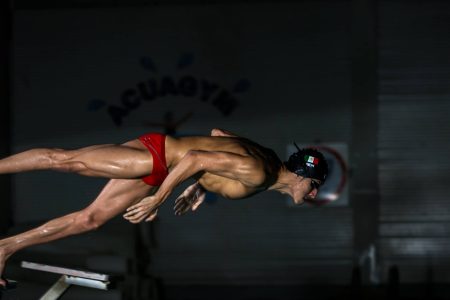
x,y
176,148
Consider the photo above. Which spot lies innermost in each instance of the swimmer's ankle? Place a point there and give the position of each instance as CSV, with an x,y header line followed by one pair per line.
x,y
4,253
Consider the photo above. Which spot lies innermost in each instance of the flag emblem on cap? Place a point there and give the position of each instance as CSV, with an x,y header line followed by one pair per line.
x,y
311,161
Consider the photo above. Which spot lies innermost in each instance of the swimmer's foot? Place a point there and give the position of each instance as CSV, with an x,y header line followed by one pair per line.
x,y
3,257
10,285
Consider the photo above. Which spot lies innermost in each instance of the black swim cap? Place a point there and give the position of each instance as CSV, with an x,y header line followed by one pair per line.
x,y
308,162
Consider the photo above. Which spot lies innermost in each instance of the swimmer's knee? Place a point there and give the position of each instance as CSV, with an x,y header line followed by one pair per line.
x,y
89,220
54,156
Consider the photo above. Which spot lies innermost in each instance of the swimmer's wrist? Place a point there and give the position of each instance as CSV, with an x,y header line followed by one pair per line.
x,y
198,185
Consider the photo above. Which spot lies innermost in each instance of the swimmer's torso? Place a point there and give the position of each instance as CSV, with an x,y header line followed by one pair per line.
x,y
269,163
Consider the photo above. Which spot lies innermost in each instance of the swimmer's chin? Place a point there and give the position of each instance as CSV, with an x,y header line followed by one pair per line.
x,y
299,202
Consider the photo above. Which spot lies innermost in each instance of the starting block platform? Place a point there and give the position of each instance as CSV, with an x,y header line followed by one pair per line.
x,y
69,277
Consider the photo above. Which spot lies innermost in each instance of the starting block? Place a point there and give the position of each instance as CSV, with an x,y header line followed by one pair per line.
x,y
69,278
9,288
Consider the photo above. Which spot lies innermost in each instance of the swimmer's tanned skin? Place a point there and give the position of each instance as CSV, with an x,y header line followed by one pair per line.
x,y
223,163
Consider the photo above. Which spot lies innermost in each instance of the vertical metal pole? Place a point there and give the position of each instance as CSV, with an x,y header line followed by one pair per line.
x,y
364,188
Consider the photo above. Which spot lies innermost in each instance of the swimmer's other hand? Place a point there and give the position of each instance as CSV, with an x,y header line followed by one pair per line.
x,y
191,198
146,209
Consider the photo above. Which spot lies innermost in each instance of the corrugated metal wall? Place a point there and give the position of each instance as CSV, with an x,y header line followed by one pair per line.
x,y
256,243
414,139
262,240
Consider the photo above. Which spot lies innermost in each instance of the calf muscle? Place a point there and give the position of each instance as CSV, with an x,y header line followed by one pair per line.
x,y
115,197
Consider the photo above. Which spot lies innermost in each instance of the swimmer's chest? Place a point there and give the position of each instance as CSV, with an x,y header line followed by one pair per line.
x,y
227,188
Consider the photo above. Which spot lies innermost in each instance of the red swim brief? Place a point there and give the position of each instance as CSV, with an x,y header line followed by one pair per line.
x,y
155,143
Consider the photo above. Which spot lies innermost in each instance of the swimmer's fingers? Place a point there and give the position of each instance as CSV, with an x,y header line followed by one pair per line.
x,y
141,216
199,201
152,216
189,192
141,203
184,202
182,205
200,195
134,211
149,203
137,217
180,201
138,212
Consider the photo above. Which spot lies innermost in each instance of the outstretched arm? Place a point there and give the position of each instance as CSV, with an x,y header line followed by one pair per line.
x,y
230,165
194,194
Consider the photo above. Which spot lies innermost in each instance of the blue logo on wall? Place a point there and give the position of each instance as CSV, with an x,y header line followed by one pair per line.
x,y
158,87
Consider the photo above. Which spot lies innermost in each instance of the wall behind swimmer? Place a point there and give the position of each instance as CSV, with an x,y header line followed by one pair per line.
x,y
274,73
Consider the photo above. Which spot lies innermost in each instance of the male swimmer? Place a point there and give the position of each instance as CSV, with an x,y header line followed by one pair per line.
x,y
145,171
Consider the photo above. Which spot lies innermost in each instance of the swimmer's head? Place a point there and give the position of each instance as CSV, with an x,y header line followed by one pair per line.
x,y
309,163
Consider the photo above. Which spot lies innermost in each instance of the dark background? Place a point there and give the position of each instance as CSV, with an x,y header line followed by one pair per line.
x,y
372,75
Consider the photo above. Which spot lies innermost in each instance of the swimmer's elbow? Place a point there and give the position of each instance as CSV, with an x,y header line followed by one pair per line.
x,y
217,132
193,160
221,132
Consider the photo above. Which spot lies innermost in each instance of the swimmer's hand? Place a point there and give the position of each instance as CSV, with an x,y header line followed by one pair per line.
x,y
191,198
146,209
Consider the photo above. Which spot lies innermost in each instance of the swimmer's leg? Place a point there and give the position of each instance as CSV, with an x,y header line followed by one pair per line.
x,y
115,197
129,160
